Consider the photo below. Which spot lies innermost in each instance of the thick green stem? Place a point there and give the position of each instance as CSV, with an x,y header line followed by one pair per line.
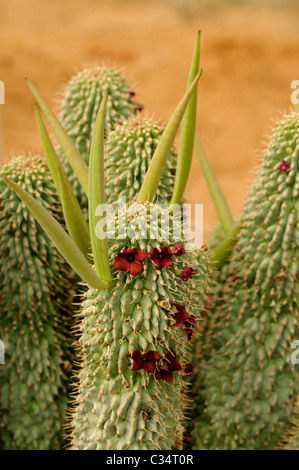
x,y
186,144
220,202
96,186
154,173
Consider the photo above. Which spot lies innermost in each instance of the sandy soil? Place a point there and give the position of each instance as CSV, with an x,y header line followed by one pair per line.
x,y
249,57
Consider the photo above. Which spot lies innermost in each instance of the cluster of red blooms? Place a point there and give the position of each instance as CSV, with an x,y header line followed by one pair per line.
x,y
131,260
148,361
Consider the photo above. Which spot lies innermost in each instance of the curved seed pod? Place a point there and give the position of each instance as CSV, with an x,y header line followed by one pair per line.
x,y
247,384
36,291
135,344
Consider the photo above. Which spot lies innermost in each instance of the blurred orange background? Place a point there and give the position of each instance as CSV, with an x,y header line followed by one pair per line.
x,y
249,59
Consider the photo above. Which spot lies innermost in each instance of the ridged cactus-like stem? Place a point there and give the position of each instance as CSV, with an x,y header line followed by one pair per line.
x,y
247,385
81,101
134,334
134,346
130,148
36,291
80,104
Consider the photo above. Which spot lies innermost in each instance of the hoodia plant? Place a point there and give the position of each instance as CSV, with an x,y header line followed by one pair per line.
x,y
79,107
144,296
247,384
36,294
130,148
131,139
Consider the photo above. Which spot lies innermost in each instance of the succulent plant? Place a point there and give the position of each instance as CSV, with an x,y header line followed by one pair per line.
x,y
135,345
36,291
131,139
246,385
81,101
130,148
143,299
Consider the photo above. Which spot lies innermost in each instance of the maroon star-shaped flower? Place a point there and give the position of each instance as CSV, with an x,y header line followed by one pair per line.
x,y
162,373
187,274
171,361
169,365
189,332
190,322
188,370
284,166
189,325
130,261
146,361
179,250
178,315
138,107
131,93
161,258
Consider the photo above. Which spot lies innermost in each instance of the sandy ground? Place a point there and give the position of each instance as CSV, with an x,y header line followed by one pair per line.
x,y
249,58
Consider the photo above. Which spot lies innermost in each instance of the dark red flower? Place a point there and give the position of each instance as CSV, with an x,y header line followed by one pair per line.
x,y
187,439
138,107
131,93
172,363
178,315
169,365
234,278
188,370
190,322
284,166
130,261
179,250
189,327
164,374
189,332
161,258
146,361
187,274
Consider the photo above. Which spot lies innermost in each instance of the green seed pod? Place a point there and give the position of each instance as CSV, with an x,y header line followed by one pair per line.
x,y
135,345
247,384
35,303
